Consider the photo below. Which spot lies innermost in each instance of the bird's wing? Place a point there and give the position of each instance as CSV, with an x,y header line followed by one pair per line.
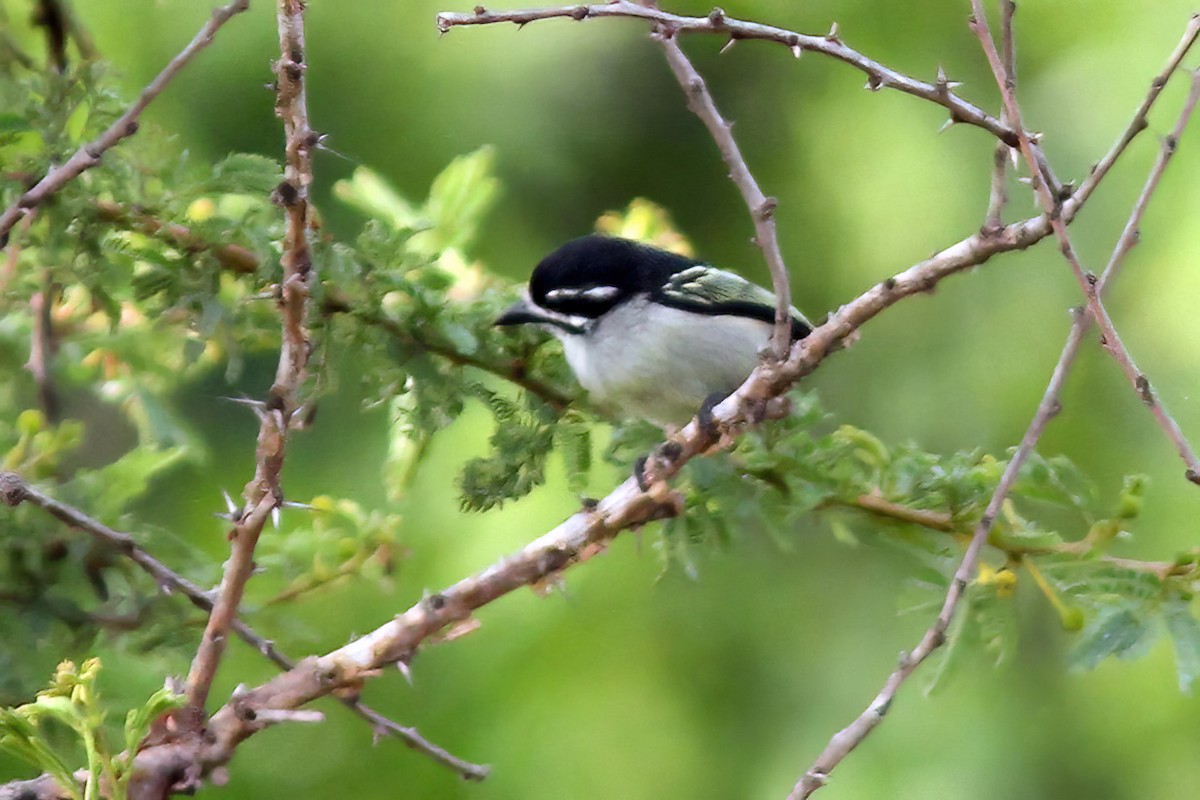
x,y
707,290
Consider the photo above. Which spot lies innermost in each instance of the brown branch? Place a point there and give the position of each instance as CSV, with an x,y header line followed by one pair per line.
x,y
878,76
14,490
846,740
1139,122
89,155
579,537
49,14
762,208
232,257
263,493
998,196
1087,281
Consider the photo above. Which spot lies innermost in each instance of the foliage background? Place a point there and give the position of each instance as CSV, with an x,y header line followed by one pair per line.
x,y
636,684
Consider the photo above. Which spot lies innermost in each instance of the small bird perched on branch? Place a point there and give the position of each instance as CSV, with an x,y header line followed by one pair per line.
x,y
647,332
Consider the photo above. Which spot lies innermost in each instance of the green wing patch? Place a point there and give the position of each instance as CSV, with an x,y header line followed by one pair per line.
x,y
703,287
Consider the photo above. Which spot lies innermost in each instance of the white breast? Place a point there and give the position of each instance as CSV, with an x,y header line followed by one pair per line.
x,y
660,363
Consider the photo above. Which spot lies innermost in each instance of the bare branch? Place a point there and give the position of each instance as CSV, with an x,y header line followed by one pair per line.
x,y
998,195
15,490
762,208
263,493
844,742
581,536
1139,122
1087,282
89,155
878,76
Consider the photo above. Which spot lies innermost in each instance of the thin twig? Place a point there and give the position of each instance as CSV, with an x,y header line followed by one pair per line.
x,y
850,737
1131,233
844,742
762,208
15,490
263,493
878,76
232,257
1087,281
49,14
1139,122
577,538
998,196
89,155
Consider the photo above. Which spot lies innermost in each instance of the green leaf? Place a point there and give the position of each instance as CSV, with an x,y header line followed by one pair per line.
x,y
13,123
1116,631
367,191
1185,633
458,199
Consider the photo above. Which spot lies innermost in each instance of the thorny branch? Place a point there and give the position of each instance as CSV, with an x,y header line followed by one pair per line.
x,y
577,539
588,532
878,76
998,196
89,155
1087,281
263,494
846,740
762,208
14,490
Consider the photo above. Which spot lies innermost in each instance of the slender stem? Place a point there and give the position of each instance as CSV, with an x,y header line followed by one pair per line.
x,y
845,741
232,257
762,208
1087,282
263,493
998,196
878,76
1139,122
89,155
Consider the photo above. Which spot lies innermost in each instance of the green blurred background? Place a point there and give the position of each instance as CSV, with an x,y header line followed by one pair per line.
x,y
636,685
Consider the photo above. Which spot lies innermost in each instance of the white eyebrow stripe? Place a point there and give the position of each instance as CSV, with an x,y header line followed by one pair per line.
x,y
598,293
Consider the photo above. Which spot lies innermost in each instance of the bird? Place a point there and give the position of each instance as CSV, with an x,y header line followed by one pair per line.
x,y
649,334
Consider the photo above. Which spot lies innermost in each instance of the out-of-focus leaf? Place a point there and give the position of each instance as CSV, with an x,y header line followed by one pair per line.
x,y
1117,630
367,191
1185,633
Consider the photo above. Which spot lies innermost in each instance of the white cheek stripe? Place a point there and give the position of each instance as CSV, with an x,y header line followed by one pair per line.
x,y
599,293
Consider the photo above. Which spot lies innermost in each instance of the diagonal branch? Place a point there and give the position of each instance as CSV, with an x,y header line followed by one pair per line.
x,y
878,76
1139,122
1087,281
263,494
14,490
578,538
89,155
846,740
762,208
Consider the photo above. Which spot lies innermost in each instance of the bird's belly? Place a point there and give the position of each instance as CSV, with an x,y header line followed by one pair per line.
x,y
665,375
